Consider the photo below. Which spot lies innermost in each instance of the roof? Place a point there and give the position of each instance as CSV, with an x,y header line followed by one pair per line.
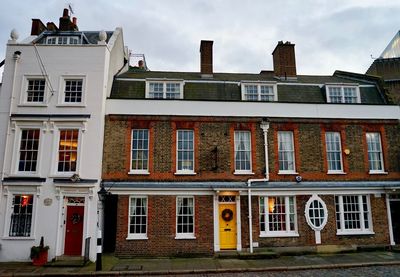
x,y
226,86
88,37
392,50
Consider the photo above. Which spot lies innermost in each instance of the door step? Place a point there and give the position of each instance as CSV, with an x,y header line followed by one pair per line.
x,y
67,261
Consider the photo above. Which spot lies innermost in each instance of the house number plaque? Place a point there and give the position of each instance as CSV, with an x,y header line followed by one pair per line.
x,y
47,201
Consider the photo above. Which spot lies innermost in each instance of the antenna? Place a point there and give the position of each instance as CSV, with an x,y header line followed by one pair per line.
x,y
70,8
372,57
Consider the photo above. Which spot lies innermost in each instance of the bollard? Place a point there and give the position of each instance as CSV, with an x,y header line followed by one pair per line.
x,y
99,264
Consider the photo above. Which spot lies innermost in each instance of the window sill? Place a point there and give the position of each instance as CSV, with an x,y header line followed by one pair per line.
x,y
64,105
373,172
18,238
189,173
288,173
279,235
43,105
137,237
336,173
240,172
63,175
188,236
354,233
138,172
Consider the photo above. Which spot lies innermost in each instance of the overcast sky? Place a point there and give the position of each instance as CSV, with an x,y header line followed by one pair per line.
x,y
329,35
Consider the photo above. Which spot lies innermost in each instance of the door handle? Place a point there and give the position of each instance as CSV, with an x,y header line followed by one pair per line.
x,y
227,229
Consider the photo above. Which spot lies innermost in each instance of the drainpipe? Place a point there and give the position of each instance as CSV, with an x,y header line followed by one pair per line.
x,y
264,126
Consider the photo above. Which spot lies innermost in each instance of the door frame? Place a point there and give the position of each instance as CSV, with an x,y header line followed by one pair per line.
x,y
65,212
389,200
217,246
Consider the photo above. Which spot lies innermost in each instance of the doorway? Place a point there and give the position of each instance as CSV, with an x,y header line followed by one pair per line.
x,y
227,222
74,226
395,216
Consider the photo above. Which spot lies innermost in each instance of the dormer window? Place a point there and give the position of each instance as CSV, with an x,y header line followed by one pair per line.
x,y
62,40
259,92
164,89
342,94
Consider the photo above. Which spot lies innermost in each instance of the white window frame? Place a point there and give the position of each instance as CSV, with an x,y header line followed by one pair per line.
x,y
60,39
309,220
24,91
189,235
380,153
335,134
185,171
19,127
138,236
242,171
273,85
265,212
61,95
66,126
140,171
363,230
328,97
164,82
10,192
287,171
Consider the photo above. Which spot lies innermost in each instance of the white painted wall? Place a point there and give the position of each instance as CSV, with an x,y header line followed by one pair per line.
x,y
97,64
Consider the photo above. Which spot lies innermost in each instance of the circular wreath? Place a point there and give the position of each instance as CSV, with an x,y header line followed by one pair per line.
x,y
227,214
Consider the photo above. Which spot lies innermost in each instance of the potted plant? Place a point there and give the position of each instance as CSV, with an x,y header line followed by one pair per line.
x,y
39,253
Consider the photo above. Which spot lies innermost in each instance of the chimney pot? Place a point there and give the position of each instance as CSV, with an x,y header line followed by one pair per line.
x,y
206,58
284,60
74,20
65,13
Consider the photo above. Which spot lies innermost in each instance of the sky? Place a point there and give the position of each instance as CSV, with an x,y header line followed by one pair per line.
x,y
329,35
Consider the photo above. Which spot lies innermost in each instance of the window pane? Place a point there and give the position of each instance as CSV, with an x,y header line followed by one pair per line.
x,y
250,92
140,149
242,150
185,215
286,151
156,90
185,150
375,157
333,151
21,216
335,94
35,91
68,150
138,215
28,151
73,91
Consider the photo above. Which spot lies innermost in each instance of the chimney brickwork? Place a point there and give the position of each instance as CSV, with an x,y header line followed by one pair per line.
x,y
206,58
284,60
37,27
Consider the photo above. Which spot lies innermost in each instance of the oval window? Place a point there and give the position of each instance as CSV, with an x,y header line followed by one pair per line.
x,y
316,213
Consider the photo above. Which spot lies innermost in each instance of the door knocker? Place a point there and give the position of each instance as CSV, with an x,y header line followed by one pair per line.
x,y
227,214
76,218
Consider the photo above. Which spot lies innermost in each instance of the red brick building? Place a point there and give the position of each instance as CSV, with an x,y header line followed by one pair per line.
x,y
200,162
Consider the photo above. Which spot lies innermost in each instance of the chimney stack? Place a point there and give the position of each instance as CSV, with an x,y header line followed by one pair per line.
x,y
37,27
284,60
206,58
65,22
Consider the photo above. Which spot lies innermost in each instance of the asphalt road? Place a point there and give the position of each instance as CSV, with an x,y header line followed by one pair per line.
x,y
373,271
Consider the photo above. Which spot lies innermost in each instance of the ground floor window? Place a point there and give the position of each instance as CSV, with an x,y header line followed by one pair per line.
x,y
353,214
21,216
185,217
278,216
137,218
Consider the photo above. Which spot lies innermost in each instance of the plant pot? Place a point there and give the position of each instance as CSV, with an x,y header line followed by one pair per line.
x,y
41,259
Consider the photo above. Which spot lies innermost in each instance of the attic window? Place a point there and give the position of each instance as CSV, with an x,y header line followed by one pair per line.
x,y
342,94
259,92
63,40
164,89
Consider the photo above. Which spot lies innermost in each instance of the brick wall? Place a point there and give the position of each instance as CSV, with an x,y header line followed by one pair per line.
x,y
162,229
214,148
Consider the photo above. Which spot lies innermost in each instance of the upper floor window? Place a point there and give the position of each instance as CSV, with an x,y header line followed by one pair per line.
x,y
21,216
259,92
343,94
63,40
353,214
35,90
185,151
164,90
286,152
28,150
68,150
73,90
242,152
140,151
185,217
375,156
333,152
137,218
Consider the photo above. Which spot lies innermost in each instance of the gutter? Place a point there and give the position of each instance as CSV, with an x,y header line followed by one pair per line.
x,y
264,125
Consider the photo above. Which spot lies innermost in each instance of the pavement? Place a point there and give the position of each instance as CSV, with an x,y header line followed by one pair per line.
x,y
113,266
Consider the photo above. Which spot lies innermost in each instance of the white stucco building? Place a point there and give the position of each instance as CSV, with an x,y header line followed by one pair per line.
x,y
52,105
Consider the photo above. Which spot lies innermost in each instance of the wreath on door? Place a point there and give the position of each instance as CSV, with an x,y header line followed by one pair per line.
x,y
227,214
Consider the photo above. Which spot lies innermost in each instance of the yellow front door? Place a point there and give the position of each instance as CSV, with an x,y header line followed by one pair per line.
x,y
227,226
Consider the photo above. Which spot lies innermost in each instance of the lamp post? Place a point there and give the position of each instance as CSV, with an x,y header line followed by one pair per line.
x,y
102,193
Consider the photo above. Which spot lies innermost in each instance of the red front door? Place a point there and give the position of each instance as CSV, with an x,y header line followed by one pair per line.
x,y
74,232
